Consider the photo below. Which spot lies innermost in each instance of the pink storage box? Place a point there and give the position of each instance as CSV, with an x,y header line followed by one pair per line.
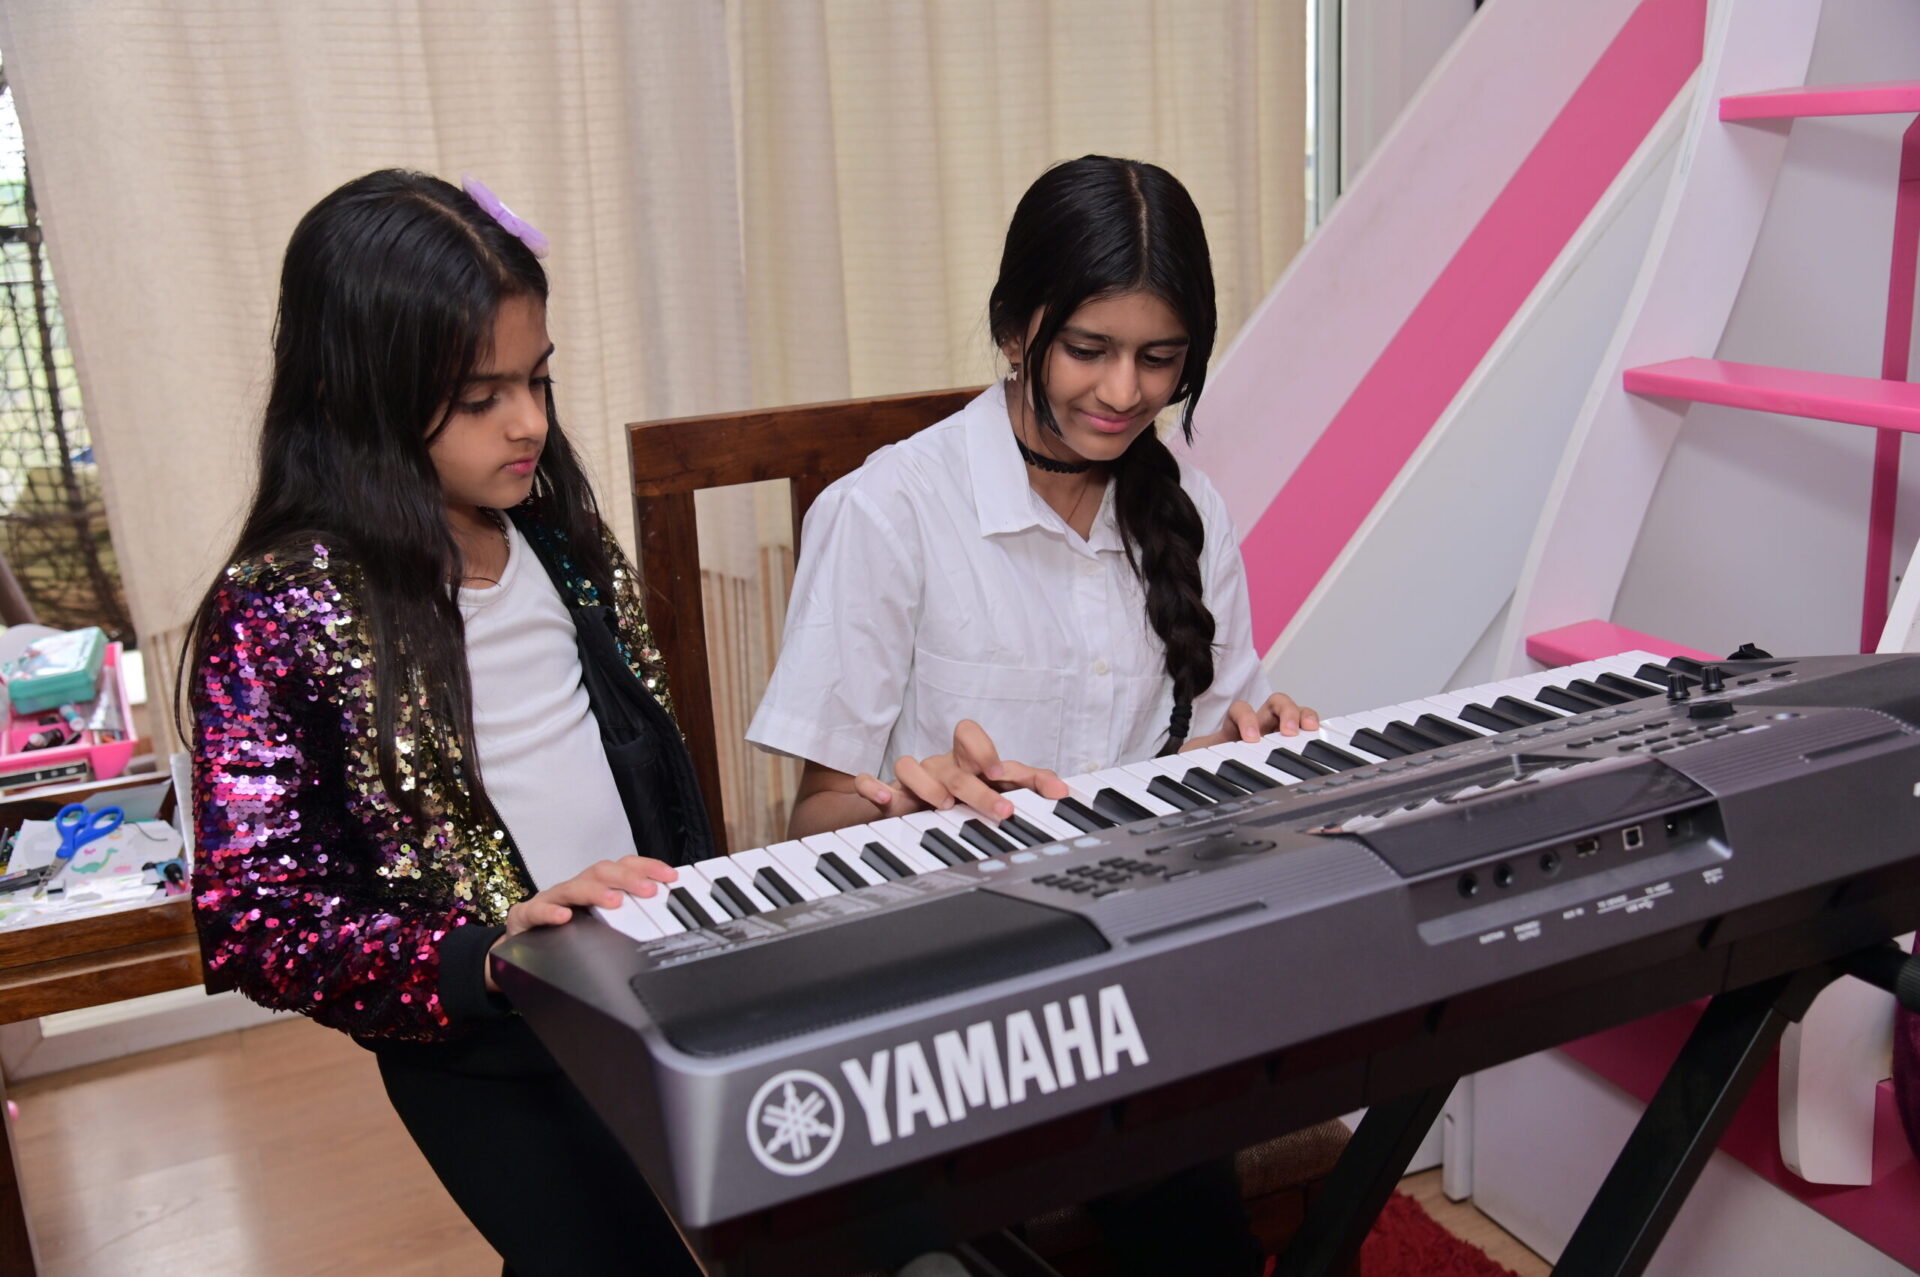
x,y
106,759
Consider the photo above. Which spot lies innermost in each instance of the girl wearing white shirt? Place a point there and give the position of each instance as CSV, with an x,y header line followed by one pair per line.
x,y
1039,568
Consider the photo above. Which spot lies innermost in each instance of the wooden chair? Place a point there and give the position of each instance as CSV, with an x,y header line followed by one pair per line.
x,y
809,447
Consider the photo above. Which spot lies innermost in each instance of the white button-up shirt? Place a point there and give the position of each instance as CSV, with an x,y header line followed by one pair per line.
x,y
934,584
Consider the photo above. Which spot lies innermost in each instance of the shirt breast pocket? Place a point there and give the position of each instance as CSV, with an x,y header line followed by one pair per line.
x,y
1021,709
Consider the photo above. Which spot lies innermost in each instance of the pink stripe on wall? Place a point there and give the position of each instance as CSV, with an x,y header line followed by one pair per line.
x,y
1450,330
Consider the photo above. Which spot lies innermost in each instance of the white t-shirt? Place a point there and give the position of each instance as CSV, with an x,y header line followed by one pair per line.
x,y
538,741
934,584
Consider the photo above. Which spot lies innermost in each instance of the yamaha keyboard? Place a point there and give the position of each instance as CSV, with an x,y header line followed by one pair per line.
x,y
833,1052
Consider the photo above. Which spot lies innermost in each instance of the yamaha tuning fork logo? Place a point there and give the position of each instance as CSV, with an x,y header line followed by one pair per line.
x,y
796,1119
794,1122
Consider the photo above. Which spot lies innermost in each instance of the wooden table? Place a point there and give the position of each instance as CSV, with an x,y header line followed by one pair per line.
x,y
74,963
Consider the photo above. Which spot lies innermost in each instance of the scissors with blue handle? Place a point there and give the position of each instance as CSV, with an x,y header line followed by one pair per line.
x,y
78,826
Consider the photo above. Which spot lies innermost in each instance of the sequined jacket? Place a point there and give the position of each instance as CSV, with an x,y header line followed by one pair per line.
x,y
312,890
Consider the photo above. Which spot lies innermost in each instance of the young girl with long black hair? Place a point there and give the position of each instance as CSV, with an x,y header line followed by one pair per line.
x,y
1039,578
427,709
1038,569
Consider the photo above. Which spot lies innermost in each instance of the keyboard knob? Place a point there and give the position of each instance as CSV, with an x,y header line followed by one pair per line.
x,y
1712,680
1677,687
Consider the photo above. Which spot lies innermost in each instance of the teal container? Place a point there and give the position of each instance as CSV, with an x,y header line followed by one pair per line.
x,y
61,669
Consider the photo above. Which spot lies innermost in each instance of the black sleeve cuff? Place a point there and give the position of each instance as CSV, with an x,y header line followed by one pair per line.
x,y
463,974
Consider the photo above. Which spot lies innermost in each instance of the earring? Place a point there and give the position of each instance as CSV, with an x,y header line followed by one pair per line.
x,y
1015,374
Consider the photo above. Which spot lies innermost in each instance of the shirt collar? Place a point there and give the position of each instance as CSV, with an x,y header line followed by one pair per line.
x,y
1003,500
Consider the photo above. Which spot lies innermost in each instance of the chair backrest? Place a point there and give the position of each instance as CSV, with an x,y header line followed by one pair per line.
x,y
809,446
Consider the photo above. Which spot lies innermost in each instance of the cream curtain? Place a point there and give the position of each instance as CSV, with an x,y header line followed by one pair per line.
x,y
752,202
173,148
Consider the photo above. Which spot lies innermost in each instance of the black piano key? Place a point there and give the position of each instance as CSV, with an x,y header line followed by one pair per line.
x,y
1024,832
682,905
1335,758
1593,690
1208,785
1490,718
1285,760
991,844
1686,665
838,872
1409,737
1659,674
732,898
885,863
1081,816
1444,730
1117,807
776,888
1631,687
1174,794
1567,699
1246,777
1514,707
947,849
1374,743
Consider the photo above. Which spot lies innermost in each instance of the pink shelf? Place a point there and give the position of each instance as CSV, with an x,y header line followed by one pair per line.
x,y
1591,640
1825,396
1887,98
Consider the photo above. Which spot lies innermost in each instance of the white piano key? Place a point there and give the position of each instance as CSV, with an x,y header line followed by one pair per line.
x,y
695,881
752,861
1038,812
1127,784
832,841
947,823
656,911
799,862
723,867
629,919
1254,755
903,840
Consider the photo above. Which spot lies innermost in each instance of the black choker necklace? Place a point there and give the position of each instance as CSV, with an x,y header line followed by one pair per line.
x,y
1048,463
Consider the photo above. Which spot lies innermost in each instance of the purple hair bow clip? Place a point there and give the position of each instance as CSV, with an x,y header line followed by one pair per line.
x,y
516,226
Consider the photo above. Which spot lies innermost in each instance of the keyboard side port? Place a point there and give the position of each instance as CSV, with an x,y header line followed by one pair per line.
x,y
1632,838
1586,847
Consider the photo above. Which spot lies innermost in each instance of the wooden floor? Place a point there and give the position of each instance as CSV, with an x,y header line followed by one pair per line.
x,y
272,1152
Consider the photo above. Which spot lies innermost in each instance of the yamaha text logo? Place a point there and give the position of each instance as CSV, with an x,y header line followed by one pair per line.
x,y
795,1120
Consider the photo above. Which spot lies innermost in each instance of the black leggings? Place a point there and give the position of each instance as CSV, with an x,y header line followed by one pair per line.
x,y
521,1153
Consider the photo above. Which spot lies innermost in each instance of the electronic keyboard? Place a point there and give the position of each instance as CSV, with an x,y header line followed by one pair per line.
x,y
837,1050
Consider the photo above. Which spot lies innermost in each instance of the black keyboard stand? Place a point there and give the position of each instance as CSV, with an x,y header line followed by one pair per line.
x,y
1650,1179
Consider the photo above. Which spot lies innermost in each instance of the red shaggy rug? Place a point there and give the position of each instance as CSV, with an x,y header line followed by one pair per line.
x,y
1405,1242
